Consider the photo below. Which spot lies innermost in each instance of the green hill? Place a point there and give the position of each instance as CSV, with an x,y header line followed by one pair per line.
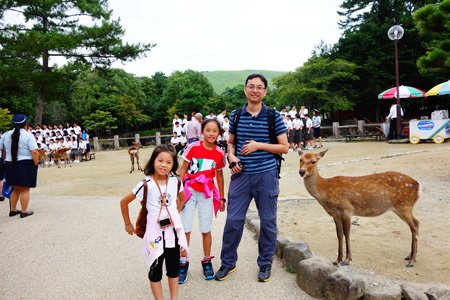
x,y
220,80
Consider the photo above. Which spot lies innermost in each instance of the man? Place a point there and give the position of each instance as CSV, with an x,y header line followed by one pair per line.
x,y
221,117
255,175
194,128
393,117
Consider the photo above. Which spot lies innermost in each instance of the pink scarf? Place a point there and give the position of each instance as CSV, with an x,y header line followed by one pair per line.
x,y
208,188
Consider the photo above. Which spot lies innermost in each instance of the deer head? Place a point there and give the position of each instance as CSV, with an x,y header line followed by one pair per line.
x,y
308,162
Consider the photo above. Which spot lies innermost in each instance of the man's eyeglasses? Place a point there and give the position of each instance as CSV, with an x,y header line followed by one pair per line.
x,y
251,87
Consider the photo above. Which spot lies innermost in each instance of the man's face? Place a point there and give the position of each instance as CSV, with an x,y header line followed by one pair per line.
x,y
255,90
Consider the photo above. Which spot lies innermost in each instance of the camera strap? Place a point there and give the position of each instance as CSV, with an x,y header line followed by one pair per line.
x,y
163,200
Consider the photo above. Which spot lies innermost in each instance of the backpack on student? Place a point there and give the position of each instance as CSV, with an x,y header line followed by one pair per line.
x,y
272,133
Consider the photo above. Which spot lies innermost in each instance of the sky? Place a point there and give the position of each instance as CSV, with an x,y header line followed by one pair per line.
x,y
212,35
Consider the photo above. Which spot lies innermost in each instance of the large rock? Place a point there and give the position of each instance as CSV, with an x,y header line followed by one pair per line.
x,y
413,292
312,274
282,242
295,252
393,292
438,293
342,285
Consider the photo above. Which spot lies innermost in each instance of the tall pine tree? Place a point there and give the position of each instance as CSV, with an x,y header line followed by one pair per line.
x,y
81,31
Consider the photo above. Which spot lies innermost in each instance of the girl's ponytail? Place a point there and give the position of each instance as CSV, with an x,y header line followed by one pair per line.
x,y
15,143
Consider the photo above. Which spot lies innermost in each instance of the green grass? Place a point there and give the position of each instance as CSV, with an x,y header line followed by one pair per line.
x,y
221,80
290,270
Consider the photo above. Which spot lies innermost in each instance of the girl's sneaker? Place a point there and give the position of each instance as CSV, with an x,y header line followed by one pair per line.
x,y
208,271
183,273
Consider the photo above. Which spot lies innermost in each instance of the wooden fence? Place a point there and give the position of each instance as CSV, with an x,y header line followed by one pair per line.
x,y
335,131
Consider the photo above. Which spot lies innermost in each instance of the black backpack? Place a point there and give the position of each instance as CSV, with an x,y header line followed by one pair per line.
x,y
272,133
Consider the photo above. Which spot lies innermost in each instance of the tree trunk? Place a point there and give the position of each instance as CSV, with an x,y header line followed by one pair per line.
x,y
45,70
39,108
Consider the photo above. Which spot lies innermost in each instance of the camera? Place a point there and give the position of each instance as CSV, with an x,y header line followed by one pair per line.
x,y
239,163
165,222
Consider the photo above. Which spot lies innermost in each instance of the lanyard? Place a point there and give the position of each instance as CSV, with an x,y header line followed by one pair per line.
x,y
163,199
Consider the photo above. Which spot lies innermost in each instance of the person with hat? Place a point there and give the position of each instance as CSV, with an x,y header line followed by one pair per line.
x,y
20,151
317,120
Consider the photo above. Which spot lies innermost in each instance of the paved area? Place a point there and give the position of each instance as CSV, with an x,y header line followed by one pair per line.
x,y
76,248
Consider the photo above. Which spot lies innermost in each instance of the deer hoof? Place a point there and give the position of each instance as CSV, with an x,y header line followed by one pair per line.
x,y
408,257
410,264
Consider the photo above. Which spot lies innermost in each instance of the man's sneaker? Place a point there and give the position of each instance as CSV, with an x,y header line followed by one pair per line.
x,y
264,273
208,272
223,272
183,273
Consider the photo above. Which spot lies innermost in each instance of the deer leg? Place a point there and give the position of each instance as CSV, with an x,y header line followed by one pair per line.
x,y
413,224
137,162
347,223
132,163
340,235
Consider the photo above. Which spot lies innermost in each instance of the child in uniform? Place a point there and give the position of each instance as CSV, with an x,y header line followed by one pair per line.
x,y
203,161
162,241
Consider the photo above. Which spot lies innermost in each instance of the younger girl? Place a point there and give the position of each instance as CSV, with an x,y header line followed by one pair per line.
x,y
203,160
164,234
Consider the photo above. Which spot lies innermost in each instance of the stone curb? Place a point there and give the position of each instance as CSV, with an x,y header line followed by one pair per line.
x,y
322,279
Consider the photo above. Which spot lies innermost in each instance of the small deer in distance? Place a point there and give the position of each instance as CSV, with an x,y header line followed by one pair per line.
x,y
133,152
368,196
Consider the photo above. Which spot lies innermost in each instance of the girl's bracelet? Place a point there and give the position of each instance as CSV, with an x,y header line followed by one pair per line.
x,y
223,199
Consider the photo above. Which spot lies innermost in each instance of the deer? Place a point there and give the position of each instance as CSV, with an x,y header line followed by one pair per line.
x,y
367,196
60,154
133,152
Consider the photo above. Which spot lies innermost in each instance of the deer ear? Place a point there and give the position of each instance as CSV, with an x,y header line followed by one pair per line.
x,y
322,154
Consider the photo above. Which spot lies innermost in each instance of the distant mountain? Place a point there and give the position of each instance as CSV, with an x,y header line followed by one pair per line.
x,y
220,80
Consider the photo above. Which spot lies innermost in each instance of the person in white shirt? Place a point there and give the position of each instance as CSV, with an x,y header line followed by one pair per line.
x,y
185,121
298,128
283,111
293,112
226,124
176,119
291,132
175,142
317,121
308,133
178,129
77,129
393,134
303,111
221,117
210,116
183,139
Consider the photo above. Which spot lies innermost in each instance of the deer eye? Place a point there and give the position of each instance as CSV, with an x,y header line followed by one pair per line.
x,y
313,162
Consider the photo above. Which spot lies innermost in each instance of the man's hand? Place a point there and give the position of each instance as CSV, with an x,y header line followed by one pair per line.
x,y
250,147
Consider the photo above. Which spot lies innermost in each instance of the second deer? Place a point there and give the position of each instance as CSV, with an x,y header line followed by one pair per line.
x,y
133,152
368,196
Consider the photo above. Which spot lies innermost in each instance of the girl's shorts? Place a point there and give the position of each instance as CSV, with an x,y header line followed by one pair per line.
x,y
316,132
171,256
205,212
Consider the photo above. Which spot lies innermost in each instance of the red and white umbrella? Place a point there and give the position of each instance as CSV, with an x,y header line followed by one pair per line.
x,y
405,92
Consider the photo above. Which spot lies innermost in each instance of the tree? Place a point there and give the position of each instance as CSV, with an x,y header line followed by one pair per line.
x,y
113,91
365,43
433,23
186,92
5,119
82,32
100,122
320,83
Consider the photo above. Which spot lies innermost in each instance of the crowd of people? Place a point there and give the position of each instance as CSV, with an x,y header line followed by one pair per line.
x,y
72,138
303,130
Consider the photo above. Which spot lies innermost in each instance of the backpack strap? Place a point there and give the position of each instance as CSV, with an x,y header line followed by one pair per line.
x,y
271,121
144,197
237,116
